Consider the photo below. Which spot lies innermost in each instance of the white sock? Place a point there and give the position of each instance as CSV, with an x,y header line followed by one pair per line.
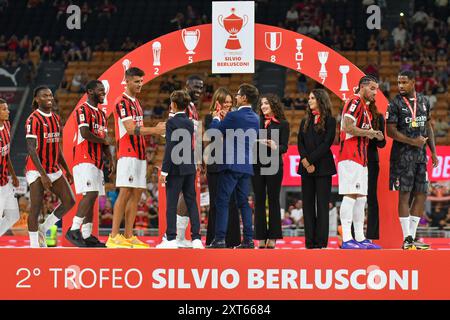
x,y
11,217
86,230
413,223
51,220
76,223
404,221
34,239
346,215
182,223
358,218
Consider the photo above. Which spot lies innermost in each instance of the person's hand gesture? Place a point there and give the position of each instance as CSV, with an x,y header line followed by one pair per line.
x,y
162,180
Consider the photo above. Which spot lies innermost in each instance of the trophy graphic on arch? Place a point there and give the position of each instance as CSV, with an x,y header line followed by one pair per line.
x,y
344,69
190,39
233,24
156,49
323,57
272,40
299,53
126,65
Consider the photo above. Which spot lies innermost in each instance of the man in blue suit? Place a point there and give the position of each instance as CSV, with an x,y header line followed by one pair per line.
x,y
239,129
178,171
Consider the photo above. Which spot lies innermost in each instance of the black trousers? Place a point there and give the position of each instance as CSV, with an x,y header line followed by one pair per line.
x,y
270,186
174,186
316,193
373,223
233,236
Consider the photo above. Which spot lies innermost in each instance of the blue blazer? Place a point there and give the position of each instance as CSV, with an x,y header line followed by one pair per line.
x,y
179,121
248,121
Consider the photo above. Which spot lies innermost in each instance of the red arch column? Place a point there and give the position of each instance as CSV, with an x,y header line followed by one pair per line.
x,y
304,59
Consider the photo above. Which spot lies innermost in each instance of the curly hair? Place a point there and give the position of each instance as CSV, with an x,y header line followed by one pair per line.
x,y
324,104
275,104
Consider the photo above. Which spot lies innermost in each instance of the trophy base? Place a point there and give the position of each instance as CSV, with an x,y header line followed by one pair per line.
x,y
233,44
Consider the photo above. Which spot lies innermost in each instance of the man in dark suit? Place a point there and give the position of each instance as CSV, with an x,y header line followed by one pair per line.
x,y
239,129
178,171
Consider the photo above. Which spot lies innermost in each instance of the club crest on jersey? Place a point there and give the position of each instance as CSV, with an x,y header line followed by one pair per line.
x,y
82,117
4,150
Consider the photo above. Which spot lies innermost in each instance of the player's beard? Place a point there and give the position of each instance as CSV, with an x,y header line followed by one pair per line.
x,y
366,98
406,93
194,99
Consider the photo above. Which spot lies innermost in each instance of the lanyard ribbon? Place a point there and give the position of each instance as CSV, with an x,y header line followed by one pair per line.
x,y
413,111
366,112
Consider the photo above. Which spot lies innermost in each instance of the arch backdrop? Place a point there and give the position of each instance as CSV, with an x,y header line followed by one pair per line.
x,y
272,44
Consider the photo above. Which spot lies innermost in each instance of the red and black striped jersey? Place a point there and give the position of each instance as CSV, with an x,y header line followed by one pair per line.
x,y
85,151
5,140
128,108
352,147
191,111
46,129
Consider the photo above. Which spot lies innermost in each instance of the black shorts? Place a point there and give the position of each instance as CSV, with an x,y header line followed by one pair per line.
x,y
408,176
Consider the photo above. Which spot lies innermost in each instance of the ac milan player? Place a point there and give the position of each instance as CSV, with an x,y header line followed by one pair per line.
x,y
356,130
43,172
9,209
194,87
131,163
92,143
408,123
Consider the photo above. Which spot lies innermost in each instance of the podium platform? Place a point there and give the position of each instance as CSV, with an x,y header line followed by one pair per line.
x,y
223,274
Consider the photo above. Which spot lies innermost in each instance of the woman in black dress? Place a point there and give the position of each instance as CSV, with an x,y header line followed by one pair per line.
x,y
315,137
268,229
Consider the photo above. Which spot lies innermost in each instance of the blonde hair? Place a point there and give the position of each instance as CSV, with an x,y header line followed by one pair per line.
x,y
219,95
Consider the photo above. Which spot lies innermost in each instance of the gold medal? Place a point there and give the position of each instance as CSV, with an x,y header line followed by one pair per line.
x,y
414,123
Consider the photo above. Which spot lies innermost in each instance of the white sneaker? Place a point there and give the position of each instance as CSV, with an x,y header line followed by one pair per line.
x,y
184,243
197,244
166,244
42,237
